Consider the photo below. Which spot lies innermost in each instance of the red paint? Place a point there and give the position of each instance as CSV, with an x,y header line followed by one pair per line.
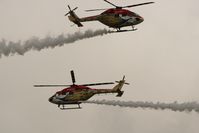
x,y
73,88
119,11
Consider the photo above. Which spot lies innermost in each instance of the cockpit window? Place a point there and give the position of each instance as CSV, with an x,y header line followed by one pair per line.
x,y
134,14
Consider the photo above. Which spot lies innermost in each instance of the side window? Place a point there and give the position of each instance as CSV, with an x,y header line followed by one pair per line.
x,y
70,93
117,15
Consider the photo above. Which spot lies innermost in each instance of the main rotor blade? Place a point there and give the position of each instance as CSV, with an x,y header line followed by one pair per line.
x,y
120,7
96,10
111,3
51,85
138,4
72,76
102,8
93,84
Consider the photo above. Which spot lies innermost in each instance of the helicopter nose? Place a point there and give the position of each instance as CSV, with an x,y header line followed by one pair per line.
x,y
139,19
50,99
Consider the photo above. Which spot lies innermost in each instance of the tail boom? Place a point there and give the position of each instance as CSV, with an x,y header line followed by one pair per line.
x,y
75,19
116,89
91,18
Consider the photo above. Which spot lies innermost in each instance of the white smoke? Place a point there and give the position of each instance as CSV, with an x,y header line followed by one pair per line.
x,y
175,106
35,43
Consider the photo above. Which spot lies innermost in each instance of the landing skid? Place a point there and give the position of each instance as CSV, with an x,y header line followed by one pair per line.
x,y
63,107
119,29
125,30
70,108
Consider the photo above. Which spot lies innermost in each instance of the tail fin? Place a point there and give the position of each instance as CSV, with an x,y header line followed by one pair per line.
x,y
119,86
73,17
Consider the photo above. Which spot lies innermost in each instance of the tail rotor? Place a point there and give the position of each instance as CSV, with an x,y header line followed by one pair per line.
x,y
119,86
70,11
122,81
73,17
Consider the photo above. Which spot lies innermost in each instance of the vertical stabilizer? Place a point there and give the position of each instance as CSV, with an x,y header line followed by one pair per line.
x,y
73,17
119,86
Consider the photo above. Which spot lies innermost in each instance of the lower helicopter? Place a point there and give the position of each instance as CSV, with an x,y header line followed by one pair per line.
x,y
77,94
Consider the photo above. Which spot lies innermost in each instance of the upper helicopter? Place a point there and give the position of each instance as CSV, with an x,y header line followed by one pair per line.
x,y
116,18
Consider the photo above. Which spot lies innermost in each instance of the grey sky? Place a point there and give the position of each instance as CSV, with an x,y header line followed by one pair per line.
x,y
160,60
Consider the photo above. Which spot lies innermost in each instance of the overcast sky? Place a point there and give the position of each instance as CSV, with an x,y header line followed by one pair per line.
x,y
160,61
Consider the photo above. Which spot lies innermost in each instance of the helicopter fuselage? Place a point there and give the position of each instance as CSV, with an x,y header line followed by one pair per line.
x,y
75,94
116,18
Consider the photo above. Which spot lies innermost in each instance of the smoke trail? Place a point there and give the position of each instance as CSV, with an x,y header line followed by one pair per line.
x,y
188,106
38,44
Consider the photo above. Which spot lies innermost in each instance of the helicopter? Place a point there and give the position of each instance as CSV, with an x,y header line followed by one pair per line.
x,y
115,18
77,94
